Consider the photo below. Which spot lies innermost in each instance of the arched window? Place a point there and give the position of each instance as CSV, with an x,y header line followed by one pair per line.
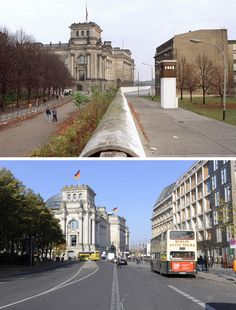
x,y
82,33
77,33
80,196
74,196
81,60
73,224
69,196
87,33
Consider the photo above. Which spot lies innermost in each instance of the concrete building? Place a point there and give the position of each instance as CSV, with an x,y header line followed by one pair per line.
x,y
85,226
93,62
197,201
180,46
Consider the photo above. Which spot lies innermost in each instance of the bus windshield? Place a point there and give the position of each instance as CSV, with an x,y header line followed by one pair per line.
x,y
181,235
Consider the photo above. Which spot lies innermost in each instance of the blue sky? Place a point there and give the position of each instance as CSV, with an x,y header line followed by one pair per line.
x,y
131,185
140,25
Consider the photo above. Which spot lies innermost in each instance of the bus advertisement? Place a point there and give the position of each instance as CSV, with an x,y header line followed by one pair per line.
x,y
174,252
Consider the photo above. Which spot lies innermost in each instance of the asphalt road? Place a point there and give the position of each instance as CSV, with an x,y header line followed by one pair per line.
x,y
101,286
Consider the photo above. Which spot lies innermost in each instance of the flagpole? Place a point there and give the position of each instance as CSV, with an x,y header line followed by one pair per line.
x,y
86,14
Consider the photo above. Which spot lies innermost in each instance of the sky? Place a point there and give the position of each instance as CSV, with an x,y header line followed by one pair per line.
x,y
139,25
132,186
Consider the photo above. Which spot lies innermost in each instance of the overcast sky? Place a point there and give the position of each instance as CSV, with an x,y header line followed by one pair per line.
x,y
141,25
132,186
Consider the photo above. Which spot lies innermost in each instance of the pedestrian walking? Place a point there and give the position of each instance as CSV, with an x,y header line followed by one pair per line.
x,y
57,96
54,115
48,113
37,102
200,263
205,262
118,264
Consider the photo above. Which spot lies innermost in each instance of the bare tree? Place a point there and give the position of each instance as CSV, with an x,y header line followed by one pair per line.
x,y
191,81
205,74
6,64
218,83
181,75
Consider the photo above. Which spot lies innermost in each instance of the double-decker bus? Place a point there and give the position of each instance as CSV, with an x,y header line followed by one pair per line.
x,y
174,252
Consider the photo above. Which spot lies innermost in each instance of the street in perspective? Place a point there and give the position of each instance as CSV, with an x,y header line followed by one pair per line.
x,y
171,245
173,96
102,285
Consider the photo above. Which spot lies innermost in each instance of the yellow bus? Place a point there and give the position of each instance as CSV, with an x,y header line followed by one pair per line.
x,y
83,256
94,255
174,252
89,255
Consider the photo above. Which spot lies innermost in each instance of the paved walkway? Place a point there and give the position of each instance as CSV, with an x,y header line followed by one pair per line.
x,y
20,138
180,133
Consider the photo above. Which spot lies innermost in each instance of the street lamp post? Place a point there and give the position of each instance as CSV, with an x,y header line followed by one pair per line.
x,y
225,70
151,77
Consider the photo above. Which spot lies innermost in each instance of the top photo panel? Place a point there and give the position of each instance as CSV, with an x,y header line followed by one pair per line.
x,y
141,79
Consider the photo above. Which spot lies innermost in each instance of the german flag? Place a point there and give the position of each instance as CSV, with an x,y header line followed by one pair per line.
x,y
115,209
77,175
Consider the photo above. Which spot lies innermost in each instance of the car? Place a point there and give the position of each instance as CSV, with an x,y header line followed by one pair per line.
x,y
123,261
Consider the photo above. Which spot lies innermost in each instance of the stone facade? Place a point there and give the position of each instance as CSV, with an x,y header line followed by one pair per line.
x,y
180,46
93,62
85,226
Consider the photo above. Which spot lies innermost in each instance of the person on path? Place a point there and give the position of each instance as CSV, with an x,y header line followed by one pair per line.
x,y
54,115
48,113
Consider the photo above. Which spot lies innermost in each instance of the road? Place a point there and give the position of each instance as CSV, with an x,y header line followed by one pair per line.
x,y
101,286
180,133
19,139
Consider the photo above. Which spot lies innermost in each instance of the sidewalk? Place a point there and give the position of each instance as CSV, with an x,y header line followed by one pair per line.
x,y
218,274
180,133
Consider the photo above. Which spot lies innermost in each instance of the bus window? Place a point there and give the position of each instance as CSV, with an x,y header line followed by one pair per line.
x,y
181,235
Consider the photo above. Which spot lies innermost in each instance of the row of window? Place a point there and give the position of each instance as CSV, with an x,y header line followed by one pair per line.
x,y
74,196
82,33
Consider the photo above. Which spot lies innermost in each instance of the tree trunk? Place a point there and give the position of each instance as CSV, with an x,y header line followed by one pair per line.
x,y
181,93
29,95
204,96
18,98
191,96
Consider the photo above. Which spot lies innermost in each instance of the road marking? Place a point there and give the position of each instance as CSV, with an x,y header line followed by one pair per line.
x,y
201,304
58,287
115,293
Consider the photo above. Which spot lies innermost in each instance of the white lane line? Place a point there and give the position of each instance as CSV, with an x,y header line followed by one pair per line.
x,y
201,304
58,287
115,293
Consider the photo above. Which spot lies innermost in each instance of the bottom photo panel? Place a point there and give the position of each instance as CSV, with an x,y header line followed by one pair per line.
x,y
117,234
